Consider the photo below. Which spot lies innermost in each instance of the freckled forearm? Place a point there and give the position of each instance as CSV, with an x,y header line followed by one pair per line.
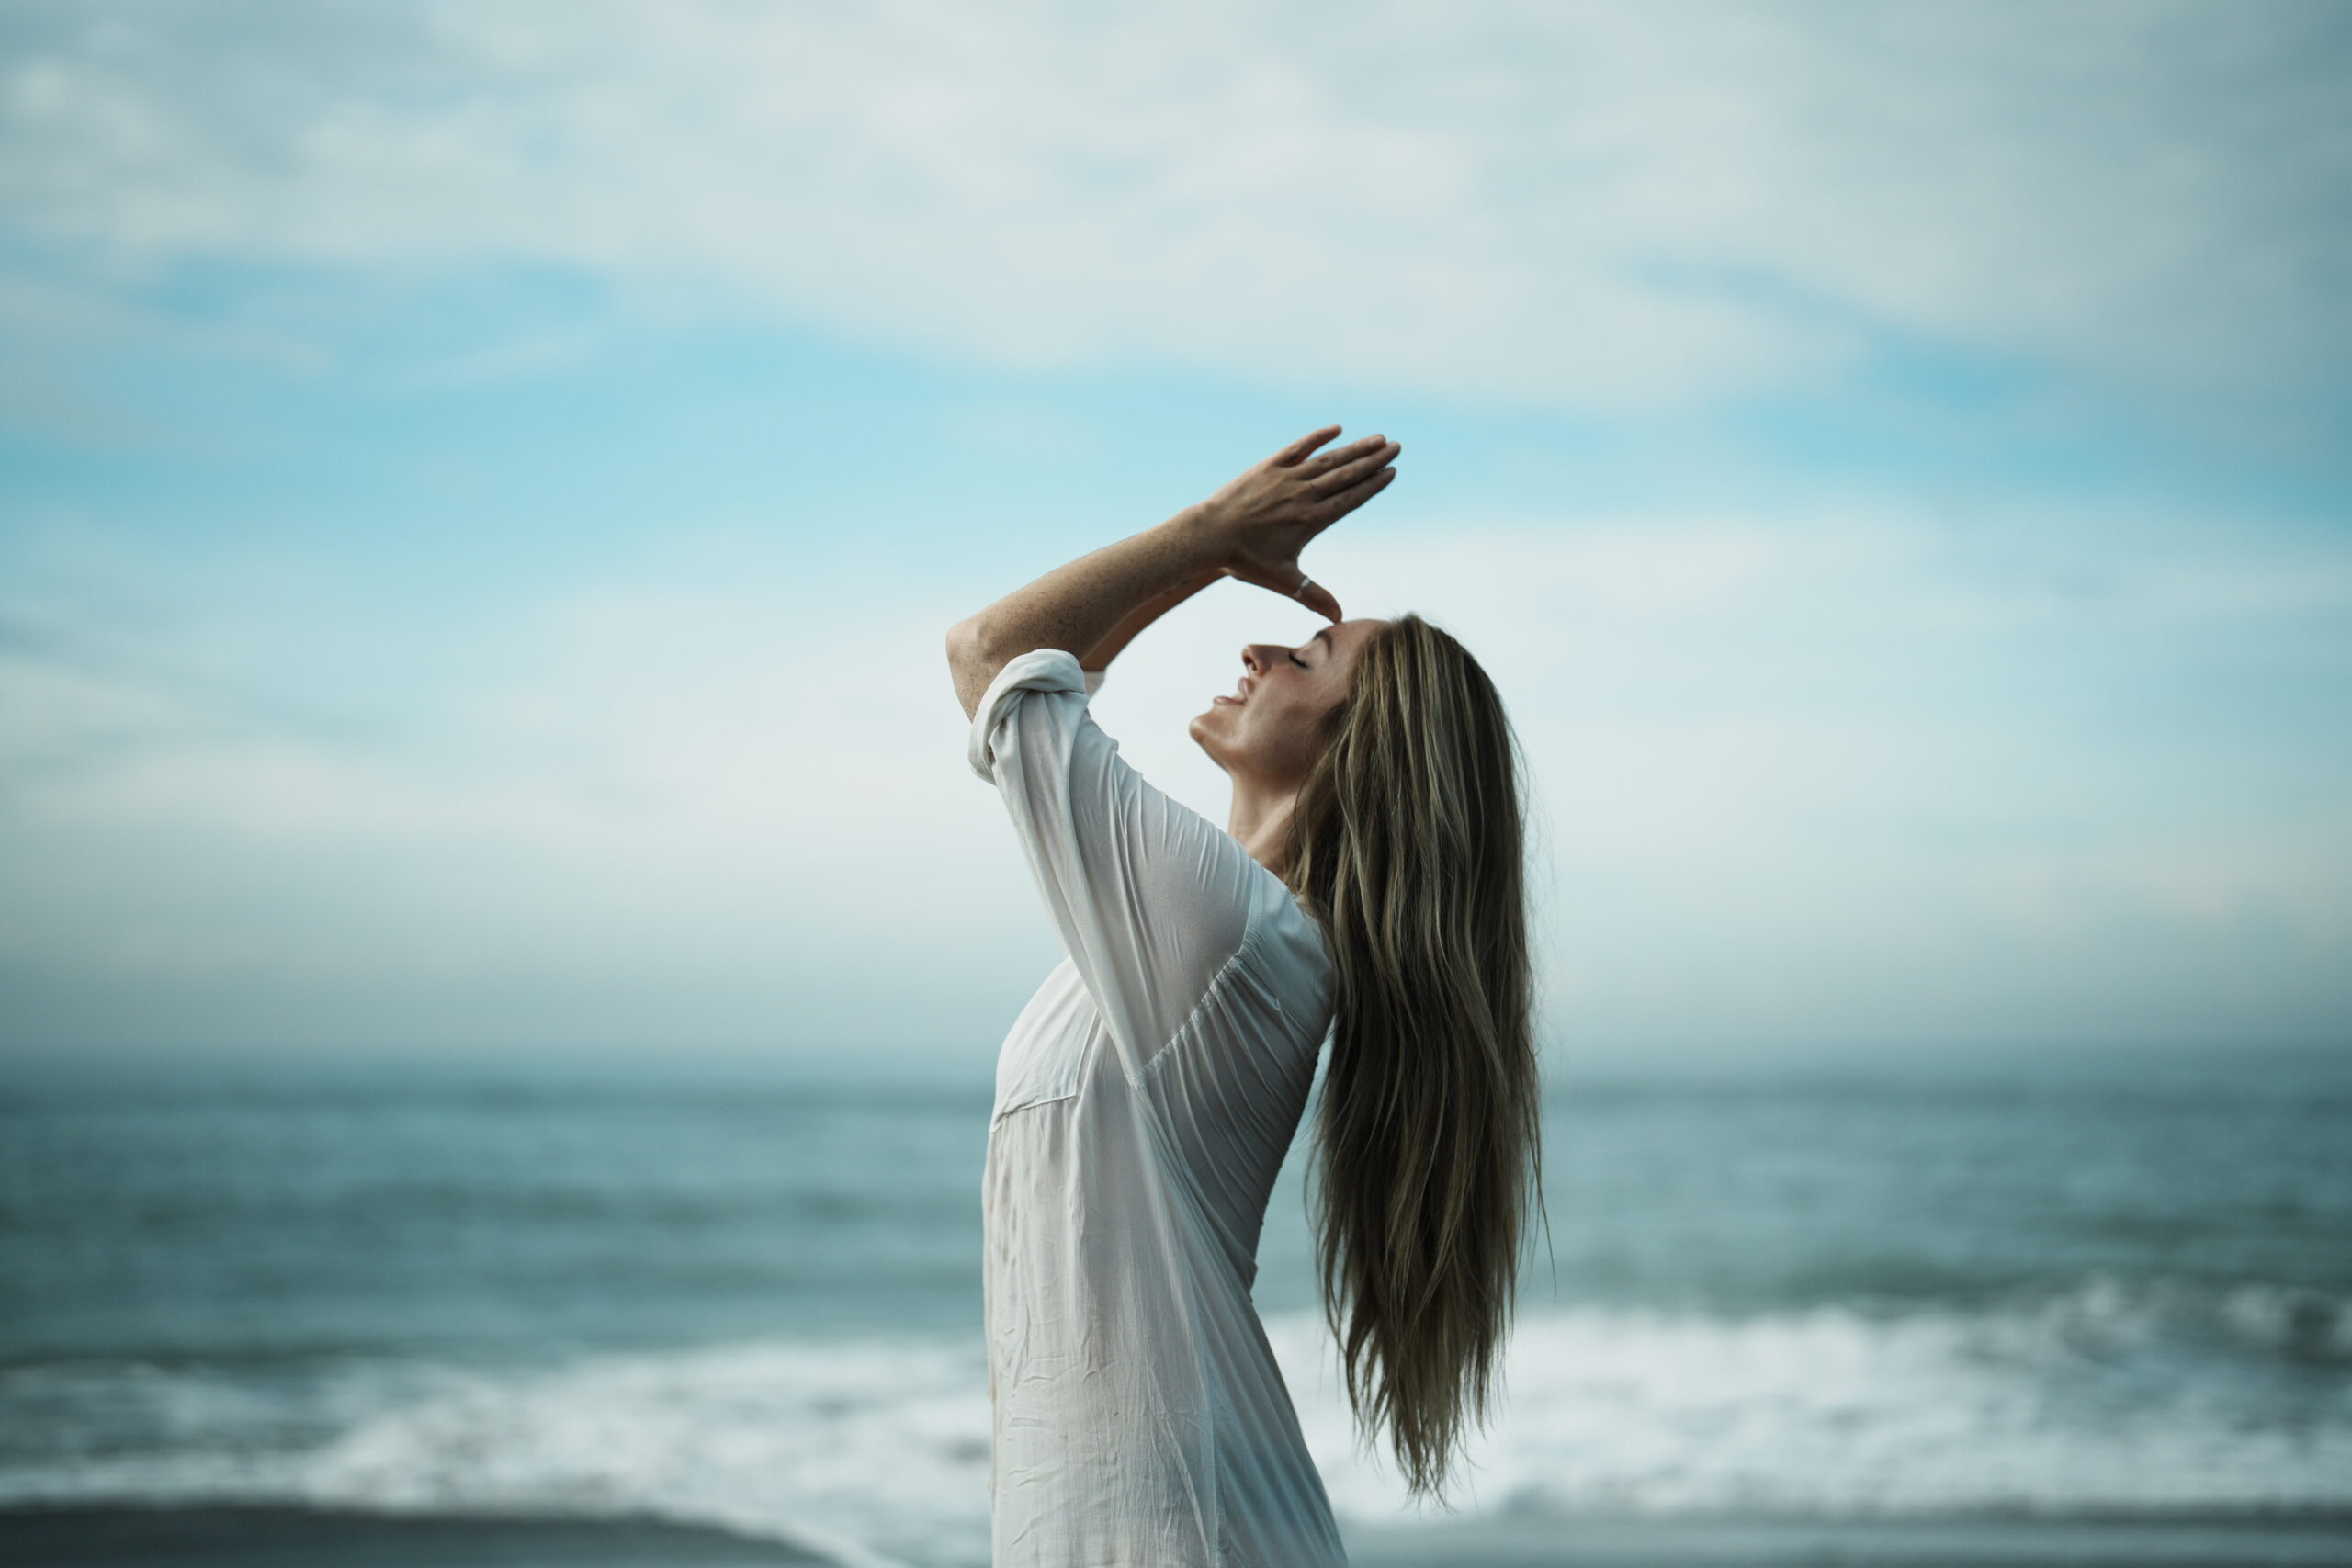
x,y
1081,606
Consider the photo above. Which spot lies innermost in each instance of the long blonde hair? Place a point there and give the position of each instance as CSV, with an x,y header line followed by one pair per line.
x,y
1406,844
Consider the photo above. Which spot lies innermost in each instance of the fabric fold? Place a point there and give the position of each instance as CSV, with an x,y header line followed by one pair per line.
x,y
1138,1415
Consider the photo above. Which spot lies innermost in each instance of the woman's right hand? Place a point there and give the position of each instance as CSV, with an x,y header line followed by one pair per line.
x,y
1261,519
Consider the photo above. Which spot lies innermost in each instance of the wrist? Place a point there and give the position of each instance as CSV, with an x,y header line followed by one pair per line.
x,y
1199,539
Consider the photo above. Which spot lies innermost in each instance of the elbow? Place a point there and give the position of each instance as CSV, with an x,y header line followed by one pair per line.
x,y
967,648
967,662
972,641
962,639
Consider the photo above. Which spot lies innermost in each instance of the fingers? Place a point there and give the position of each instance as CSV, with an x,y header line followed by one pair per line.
x,y
1299,448
1336,471
1335,507
1323,463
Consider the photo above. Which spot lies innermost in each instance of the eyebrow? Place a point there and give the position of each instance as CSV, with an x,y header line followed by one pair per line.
x,y
1324,637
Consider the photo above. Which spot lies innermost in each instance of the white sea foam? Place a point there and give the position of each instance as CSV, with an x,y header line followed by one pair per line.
x,y
874,1453
2092,1401
875,1450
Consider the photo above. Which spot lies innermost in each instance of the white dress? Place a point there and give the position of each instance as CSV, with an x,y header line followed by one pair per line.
x,y
1144,1101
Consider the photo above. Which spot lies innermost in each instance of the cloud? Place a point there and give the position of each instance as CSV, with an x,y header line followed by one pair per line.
x,y
1610,207
1840,776
649,816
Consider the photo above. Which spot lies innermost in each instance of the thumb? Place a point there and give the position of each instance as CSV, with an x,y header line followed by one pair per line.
x,y
1317,598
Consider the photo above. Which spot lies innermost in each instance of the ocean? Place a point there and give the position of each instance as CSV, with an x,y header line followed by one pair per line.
x,y
2105,1288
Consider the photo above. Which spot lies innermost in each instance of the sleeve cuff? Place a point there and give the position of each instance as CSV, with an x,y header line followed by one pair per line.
x,y
1039,669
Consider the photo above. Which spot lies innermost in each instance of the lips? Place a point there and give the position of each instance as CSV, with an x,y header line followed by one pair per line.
x,y
1235,700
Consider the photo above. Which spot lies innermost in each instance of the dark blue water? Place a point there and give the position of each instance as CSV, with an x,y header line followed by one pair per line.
x,y
475,1212
2069,1284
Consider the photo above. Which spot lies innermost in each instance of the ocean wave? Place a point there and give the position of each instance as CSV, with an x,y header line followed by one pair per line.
x,y
873,1453
2101,1397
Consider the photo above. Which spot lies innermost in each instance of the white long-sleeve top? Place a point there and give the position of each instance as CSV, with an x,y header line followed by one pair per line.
x,y
1145,1099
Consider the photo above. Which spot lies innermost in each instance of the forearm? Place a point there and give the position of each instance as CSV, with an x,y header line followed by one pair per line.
x,y
1078,605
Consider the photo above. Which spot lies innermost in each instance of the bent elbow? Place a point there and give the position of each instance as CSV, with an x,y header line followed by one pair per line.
x,y
967,662
963,645
967,641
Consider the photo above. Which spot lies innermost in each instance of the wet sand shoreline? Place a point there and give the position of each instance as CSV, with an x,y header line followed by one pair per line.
x,y
282,1537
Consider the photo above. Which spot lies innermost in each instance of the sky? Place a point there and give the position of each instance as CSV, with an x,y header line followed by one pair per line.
x,y
484,488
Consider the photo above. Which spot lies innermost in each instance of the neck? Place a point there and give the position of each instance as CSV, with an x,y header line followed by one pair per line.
x,y
1259,817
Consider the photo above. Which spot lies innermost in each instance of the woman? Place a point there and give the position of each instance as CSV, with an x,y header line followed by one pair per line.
x,y
1368,883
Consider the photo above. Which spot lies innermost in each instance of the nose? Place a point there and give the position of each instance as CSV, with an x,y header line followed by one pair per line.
x,y
1253,657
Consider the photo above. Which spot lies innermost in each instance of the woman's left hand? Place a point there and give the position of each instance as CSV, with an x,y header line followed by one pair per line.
x,y
1261,519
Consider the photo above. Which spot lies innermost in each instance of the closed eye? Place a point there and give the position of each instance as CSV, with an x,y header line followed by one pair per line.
x,y
1295,658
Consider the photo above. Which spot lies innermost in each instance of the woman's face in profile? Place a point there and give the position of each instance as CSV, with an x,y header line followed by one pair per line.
x,y
1267,727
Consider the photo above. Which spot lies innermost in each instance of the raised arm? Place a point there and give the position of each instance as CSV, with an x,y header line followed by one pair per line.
x,y
1253,528
1075,607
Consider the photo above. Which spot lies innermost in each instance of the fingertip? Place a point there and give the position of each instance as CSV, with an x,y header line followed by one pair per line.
x,y
1297,450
